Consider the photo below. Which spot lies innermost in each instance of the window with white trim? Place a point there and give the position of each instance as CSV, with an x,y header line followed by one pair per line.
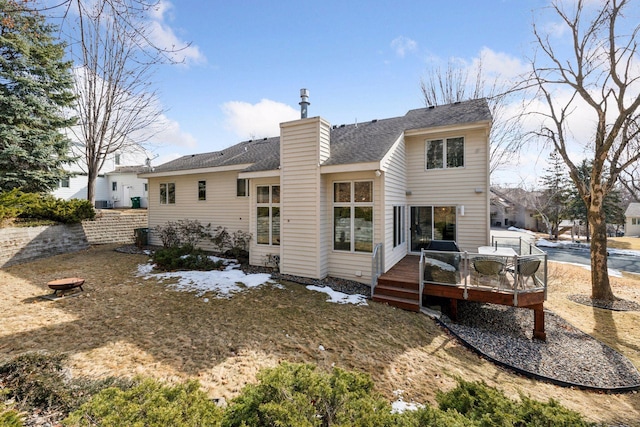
x,y
65,182
445,153
353,216
635,221
398,226
242,187
268,215
168,193
202,190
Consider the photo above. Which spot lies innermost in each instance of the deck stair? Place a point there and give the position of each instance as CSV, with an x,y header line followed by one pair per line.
x,y
399,286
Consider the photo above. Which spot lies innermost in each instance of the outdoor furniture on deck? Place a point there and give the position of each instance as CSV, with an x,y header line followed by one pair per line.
x,y
526,267
66,284
498,251
491,267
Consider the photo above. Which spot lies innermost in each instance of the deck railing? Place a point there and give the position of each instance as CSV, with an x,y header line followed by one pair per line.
x,y
524,272
377,265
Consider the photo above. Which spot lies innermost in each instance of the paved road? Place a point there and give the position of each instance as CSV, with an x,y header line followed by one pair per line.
x,y
618,262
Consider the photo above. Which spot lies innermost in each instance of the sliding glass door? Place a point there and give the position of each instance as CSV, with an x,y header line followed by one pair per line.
x,y
431,223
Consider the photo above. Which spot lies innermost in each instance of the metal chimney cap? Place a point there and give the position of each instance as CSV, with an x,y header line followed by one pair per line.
x,y
304,103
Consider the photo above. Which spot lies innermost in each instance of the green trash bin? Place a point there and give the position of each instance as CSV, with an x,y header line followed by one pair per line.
x,y
142,236
135,202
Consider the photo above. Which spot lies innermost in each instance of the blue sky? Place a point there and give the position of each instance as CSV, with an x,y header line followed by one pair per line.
x,y
360,60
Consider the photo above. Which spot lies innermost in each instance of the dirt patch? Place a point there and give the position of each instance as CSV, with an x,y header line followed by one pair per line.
x,y
124,325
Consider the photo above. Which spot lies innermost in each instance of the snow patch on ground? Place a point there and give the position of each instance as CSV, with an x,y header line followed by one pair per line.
x,y
521,230
224,283
339,297
400,406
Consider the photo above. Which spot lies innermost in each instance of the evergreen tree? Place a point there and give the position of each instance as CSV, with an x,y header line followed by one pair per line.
x,y
556,189
35,88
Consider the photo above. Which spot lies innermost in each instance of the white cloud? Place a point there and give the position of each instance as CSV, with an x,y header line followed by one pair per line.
x,y
163,36
168,132
257,120
403,45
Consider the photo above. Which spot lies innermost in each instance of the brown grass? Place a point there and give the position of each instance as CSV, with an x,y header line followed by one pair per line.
x,y
124,325
632,243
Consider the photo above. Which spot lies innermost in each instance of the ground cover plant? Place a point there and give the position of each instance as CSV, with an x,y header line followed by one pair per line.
x,y
124,325
288,395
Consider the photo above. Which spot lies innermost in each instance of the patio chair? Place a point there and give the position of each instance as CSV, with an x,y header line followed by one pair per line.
x,y
490,267
526,268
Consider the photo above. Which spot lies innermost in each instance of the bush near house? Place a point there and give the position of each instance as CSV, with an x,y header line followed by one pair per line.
x,y
181,238
16,204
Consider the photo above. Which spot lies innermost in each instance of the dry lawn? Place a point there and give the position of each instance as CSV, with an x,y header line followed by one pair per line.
x,y
124,325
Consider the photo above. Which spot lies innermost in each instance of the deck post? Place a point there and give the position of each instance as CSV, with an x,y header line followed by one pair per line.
x,y
538,322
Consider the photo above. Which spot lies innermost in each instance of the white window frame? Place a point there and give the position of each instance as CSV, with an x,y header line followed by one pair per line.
x,y
202,197
352,205
399,218
270,205
444,159
65,182
166,198
246,187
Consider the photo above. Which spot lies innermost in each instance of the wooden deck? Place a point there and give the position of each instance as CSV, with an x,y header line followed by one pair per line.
x,y
400,287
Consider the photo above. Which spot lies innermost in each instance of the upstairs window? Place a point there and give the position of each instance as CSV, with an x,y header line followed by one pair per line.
x,y
64,182
445,153
117,159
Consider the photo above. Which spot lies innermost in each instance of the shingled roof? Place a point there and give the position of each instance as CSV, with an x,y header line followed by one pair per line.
x,y
354,143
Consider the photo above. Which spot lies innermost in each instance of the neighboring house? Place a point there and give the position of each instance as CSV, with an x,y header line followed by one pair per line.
x,y
514,207
632,222
319,198
117,181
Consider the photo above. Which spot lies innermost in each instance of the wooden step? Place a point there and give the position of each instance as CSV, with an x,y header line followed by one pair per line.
x,y
403,303
399,283
399,292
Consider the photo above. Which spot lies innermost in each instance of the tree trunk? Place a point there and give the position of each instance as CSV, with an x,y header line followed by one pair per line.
x,y
91,185
600,286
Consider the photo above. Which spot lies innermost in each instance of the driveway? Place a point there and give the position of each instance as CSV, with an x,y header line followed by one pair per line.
x,y
618,261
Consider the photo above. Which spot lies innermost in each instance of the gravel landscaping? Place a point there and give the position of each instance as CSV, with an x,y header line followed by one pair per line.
x,y
568,357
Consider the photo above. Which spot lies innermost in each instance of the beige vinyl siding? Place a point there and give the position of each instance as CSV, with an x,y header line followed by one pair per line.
x,y
222,207
352,265
300,145
395,187
454,187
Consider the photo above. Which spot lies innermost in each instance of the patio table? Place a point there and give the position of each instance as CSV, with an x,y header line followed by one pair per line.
x,y
498,251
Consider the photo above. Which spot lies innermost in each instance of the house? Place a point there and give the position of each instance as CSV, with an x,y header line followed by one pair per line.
x,y
322,199
632,220
117,180
514,207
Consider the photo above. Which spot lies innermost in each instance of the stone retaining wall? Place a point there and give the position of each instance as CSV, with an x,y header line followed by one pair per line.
x,y
22,244
114,226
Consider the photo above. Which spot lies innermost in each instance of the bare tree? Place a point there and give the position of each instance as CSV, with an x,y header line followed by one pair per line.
x,y
597,82
457,83
117,106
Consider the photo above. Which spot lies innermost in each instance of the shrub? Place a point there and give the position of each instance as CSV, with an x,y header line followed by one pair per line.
x,y
297,395
15,204
148,404
185,232
36,380
184,258
489,406
10,418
